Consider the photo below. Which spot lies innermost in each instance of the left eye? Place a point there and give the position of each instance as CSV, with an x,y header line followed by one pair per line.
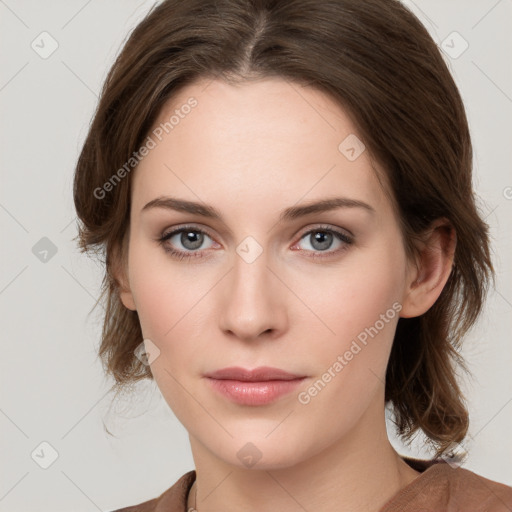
x,y
322,239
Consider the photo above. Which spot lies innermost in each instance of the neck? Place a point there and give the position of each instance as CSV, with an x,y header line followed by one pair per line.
x,y
360,472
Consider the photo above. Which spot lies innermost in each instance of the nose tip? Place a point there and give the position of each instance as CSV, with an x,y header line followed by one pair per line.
x,y
250,301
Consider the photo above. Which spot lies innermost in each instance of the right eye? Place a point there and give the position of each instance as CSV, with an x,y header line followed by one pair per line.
x,y
191,238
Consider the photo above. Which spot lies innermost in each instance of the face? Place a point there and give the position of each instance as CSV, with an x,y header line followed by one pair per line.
x,y
315,293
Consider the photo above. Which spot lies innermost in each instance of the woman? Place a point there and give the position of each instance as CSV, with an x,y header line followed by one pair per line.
x,y
282,191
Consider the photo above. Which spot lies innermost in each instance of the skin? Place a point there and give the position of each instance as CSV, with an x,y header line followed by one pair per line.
x,y
251,151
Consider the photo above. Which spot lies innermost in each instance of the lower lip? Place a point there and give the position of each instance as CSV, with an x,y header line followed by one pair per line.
x,y
254,393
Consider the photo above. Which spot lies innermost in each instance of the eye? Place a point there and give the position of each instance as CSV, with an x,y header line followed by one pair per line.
x,y
322,238
189,237
192,239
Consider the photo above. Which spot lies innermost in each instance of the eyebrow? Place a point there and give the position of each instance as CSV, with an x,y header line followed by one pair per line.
x,y
291,213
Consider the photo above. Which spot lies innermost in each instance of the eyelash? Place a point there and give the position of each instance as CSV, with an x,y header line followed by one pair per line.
x,y
182,255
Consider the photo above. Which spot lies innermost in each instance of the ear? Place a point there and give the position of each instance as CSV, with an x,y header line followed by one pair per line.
x,y
119,270
427,276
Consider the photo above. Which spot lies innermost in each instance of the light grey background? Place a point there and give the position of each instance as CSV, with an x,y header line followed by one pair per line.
x,y
52,387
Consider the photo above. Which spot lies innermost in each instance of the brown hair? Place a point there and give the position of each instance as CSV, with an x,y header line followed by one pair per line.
x,y
378,61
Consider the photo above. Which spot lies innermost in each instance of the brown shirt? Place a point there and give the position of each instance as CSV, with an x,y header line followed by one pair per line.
x,y
439,488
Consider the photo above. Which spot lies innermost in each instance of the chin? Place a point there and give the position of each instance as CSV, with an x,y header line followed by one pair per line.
x,y
255,452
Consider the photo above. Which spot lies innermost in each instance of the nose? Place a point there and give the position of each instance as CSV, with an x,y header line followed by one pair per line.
x,y
253,300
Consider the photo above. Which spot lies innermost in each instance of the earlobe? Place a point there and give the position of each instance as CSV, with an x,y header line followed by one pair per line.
x,y
120,275
126,297
428,277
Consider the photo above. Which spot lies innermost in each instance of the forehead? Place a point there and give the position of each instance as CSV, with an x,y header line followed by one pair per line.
x,y
268,138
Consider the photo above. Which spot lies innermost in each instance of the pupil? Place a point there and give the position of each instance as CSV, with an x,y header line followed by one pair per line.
x,y
323,239
188,238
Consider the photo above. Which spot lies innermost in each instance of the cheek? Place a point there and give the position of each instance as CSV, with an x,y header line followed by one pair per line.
x,y
156,293
167,296
362,307
370,285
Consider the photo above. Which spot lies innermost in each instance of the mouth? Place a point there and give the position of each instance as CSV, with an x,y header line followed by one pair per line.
x,y
260,374
259,386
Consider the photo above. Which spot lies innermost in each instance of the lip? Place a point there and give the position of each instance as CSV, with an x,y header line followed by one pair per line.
x,y
259,386
260,374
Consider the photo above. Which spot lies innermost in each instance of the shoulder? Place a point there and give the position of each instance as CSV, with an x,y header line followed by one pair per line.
x,y
472,490
173,499
146,506
441,487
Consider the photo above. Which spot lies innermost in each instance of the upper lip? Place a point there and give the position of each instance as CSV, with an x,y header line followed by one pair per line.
x,y
259,374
